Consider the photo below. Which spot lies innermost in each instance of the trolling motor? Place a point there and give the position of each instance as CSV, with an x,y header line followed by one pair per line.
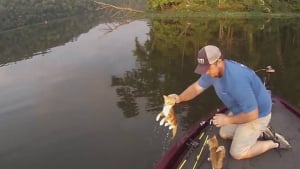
x,y
267,77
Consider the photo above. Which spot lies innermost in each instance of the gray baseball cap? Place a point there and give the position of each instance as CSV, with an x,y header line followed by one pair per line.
x,y
206,56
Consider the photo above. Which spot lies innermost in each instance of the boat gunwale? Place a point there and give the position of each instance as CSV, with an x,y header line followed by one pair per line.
x,y
287,105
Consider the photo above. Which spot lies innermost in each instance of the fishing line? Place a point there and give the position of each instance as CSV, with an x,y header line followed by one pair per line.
x,y
198,156
195,143
209,132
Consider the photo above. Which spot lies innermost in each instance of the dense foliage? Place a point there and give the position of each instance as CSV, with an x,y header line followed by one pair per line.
x,y
234,5
16,13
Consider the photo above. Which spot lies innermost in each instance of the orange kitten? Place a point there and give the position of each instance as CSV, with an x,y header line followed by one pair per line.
x,y
217,153
168,115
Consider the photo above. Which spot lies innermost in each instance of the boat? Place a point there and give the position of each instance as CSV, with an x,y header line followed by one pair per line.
x,y
191,151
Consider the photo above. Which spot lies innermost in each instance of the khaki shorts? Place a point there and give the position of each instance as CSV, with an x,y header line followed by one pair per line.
x,y
244,136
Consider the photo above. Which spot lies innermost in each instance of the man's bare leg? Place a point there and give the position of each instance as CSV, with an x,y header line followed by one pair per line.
x,y
257,149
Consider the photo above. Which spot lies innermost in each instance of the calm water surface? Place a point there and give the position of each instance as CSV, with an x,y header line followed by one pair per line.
x,y
76,95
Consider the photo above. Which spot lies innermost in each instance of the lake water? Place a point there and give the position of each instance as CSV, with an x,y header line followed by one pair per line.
x,y
84,93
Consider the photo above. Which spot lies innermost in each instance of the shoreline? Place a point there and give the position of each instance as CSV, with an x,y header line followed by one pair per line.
x,y
217,14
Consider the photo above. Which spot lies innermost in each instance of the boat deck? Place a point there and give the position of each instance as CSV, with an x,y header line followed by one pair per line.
x,y
283,122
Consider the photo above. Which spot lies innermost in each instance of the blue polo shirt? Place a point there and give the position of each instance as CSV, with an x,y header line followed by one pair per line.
x,y
240,89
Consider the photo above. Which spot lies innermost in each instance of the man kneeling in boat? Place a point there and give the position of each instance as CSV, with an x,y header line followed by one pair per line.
x,y
244,94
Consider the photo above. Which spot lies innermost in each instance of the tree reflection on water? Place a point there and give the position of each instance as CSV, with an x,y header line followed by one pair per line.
x,y
166,60
26,42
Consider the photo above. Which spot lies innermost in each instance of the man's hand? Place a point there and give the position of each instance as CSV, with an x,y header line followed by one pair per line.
x,y
220,120
175,96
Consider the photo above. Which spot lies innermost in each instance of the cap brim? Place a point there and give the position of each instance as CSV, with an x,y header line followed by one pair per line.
x,y
201,69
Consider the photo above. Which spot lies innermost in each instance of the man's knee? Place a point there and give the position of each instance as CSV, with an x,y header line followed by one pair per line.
x,y
238,155
223,135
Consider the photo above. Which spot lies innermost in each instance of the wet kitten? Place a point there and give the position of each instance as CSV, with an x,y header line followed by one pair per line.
x,y
168,115
217,153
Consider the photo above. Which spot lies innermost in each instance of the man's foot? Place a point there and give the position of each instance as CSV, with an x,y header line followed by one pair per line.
x,y
269,134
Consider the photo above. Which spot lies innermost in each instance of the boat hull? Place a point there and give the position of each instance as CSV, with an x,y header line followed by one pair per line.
x,y
184,153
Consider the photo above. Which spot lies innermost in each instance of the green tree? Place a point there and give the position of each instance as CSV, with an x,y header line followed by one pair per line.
x,y
230,5
16,13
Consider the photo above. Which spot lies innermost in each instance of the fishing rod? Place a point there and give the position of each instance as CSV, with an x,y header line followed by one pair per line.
x,y
209,132
195,144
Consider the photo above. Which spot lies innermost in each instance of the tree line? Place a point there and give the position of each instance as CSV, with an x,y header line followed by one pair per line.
x,y
234,5
17,13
